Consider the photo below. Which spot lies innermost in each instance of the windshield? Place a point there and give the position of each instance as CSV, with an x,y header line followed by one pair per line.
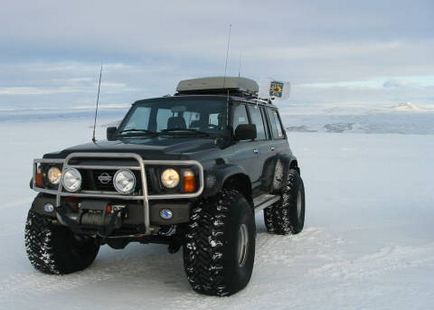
x,y
176,115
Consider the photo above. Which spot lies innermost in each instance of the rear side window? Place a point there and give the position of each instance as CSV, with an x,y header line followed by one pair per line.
x,y
256,118
240,116
276,126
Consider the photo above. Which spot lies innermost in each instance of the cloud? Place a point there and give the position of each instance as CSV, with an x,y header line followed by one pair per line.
x,y
37,90
395,84
329,50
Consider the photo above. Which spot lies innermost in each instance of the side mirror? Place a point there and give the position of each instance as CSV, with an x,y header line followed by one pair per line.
x,y
111,131
245,132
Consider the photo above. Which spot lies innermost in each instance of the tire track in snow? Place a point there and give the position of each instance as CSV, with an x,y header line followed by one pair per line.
x,y
139,267
292,253
386,259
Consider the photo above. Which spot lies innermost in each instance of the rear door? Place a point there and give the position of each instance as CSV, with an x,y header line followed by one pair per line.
x,y
278,145
260,145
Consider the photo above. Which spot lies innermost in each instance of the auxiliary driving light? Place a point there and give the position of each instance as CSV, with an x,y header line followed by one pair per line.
x,y
48,207
71,180
166,214
124,181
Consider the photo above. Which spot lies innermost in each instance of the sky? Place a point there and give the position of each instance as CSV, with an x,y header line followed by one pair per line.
x,y
342,53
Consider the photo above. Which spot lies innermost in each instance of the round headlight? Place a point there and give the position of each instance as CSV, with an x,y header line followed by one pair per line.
x,y
71,180
170,178
54,175
124,181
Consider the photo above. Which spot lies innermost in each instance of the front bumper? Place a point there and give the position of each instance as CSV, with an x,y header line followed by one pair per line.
x,y
90,216
141,209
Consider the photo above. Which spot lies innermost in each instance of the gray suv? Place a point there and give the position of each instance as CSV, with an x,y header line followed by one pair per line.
x,y
188,170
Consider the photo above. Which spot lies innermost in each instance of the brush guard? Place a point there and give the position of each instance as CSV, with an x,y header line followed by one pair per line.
x,y
141,167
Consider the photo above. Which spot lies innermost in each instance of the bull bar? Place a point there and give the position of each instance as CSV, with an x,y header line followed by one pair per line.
x,y
142,164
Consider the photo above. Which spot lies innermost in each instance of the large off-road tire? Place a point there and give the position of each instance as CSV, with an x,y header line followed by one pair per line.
x,y
219,249
287,215
54,249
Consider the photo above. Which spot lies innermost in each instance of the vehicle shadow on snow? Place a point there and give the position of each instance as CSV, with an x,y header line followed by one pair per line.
x,y
149,268
140,265
144,264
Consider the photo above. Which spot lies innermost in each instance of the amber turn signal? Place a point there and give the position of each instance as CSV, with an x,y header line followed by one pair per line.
x,y
189,184
39,179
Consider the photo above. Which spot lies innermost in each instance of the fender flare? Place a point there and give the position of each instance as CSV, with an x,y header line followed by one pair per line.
x,y
216,178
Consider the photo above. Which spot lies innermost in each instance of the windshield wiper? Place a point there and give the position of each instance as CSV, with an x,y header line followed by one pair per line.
x,y
185,130
137,131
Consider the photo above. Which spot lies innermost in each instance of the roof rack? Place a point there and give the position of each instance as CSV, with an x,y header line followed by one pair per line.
x,y
219,85
263,100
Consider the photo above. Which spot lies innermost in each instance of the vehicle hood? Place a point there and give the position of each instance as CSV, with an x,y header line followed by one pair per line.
x,y
148,148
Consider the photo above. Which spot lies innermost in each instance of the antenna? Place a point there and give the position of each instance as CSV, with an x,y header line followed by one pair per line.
x,y
239,66
227,54
97,104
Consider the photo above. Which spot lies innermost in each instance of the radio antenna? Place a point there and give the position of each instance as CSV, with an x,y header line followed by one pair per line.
x,y
97,104
239,66
227,54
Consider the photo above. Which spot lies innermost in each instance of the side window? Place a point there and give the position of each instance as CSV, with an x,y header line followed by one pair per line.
x,y
256,118
213,119
276,126
239,116
264,117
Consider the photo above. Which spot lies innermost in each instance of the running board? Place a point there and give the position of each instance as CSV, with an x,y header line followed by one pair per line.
x,y
264,201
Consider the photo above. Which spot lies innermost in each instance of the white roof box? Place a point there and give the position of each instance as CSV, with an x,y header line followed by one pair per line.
x,y
218,84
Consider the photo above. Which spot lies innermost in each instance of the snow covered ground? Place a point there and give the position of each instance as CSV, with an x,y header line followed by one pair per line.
x,y
368,242
403,118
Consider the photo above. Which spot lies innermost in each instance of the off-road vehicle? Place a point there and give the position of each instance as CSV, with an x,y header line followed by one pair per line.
x,y
187,170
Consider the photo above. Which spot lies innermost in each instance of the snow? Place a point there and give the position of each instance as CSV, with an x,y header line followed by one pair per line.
x,y
368,241
371,122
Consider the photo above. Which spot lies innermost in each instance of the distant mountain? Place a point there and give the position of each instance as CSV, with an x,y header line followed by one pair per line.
x,y
408,106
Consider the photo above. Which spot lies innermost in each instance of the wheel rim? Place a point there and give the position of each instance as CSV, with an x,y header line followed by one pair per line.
x,y
299,204
243,242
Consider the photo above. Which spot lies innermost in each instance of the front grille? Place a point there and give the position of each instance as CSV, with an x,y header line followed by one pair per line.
x,y
92,180
102,180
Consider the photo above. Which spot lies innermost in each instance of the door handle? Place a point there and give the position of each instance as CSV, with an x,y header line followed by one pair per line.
x,y
255,151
